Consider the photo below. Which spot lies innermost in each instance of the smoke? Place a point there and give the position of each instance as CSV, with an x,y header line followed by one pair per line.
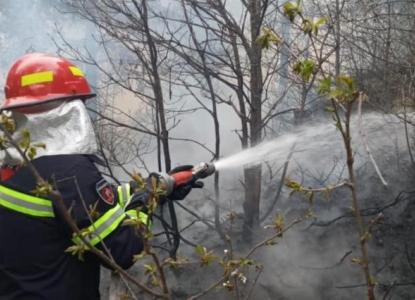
x,y
313,260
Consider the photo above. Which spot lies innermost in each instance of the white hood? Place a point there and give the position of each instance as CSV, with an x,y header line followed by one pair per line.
x,y
66,129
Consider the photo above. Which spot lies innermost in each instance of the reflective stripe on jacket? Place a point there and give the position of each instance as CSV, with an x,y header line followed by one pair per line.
x,y
34,234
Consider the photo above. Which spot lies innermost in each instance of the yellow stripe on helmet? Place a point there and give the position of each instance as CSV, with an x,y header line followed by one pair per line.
x,y
36,78
76,71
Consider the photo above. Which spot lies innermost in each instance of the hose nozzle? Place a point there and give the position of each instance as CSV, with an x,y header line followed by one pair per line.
x,y
203,170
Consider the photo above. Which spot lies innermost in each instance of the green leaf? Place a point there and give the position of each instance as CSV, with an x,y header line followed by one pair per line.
x,y
246,262
318,24
291,10
270,243
153,180
335,94
8,122
308,69
367,236
267,38
174,264
298,67
356,260
305,68
325,84
279,221
155,282
310,197
138,257
77,250
290,6
338,125
200,250
138,178
365,97
308,26
31,153
149,268
373,280
345,80
293,184
320,21
39,145
206,259
25,139
329,109
310,214
43,190
152,204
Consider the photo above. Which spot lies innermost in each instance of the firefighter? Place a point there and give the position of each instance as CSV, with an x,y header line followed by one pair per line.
x,y
46,95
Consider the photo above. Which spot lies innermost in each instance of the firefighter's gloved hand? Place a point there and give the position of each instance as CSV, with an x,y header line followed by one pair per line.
x,y
180,192
142,197
139,199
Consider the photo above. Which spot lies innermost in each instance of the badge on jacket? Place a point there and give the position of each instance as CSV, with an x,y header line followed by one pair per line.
x,y
105,192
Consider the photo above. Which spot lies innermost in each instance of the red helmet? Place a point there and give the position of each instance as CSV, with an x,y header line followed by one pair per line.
x,y
36,81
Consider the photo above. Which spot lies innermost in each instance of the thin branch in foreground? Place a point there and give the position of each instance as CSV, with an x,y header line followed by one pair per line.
x,y
277,196
249,253
389,289
363,136
405,123
254,284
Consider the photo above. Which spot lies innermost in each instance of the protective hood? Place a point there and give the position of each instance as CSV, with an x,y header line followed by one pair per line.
x,y
66,129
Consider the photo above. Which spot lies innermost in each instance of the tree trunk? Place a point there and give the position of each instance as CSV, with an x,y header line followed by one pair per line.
x,y
240,91
158,92
253,174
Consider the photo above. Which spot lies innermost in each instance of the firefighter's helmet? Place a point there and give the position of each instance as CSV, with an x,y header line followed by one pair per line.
x,y
39,82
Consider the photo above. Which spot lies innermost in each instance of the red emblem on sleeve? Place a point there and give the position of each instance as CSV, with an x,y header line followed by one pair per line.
x,y
105,192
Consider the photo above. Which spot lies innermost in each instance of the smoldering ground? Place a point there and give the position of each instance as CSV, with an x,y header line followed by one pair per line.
x,y
313,260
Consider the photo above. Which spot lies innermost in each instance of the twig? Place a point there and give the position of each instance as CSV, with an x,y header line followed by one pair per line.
x,y
254,284
208,289
161,271
380,284
195,215
329,188
277,196
363,136
366,212
250,252
405,123
384,266
409,259
330,267
389,289
218,225
253,249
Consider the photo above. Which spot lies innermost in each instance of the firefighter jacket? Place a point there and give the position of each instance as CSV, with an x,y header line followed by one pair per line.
x,y
34,234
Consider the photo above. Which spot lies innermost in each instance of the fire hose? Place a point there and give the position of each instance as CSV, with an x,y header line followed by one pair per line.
x,y
172,181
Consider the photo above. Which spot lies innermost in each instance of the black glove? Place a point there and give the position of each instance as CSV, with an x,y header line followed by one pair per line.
x,y
180,192
142,197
